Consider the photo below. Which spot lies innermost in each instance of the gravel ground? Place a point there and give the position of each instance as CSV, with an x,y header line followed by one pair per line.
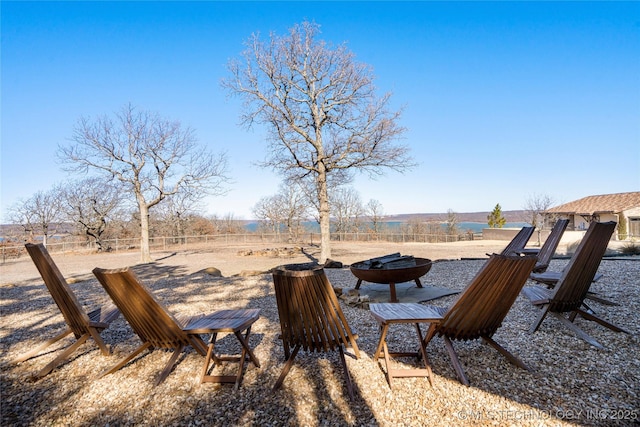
x,y
572,383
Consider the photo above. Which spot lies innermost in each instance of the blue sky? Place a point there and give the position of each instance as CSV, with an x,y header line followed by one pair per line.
x,y
502,100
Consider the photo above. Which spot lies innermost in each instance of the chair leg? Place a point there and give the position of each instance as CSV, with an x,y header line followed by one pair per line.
x,y
41,347
579,332
126,360
510,357
169,366
544,310
593,297
347,375
286,368
61,357
455,361
591,316
98,339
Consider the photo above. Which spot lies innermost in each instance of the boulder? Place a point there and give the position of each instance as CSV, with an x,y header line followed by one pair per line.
x,y
330,263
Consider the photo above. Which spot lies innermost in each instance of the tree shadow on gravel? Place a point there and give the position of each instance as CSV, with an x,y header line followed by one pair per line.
x,y
127,397
569,374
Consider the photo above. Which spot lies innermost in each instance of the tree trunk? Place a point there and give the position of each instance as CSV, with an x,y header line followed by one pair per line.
x,y
324,213
144,233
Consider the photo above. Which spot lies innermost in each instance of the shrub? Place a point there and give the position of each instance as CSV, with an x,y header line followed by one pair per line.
x,y
631,248
622,227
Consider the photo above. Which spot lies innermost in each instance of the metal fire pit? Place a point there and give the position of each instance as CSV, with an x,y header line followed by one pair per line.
x,y
391,276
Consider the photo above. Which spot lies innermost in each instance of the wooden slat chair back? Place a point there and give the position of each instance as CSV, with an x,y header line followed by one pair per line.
x,y
550,245
518,242
576,278
83,325
158,328
572,288
480,309
310,316
146,315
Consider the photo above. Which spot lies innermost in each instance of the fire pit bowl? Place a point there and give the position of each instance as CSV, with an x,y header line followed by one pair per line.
x,y
391,275
363,271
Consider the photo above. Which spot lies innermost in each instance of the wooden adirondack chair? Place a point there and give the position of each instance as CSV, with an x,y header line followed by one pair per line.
x,y
517,244
157,328
480,309
540,273
548,249
572,288
310,317
81,324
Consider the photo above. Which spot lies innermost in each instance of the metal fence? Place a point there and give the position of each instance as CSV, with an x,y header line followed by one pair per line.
x,y
12,250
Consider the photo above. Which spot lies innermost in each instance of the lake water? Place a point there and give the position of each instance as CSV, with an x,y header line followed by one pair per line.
x,y
475,227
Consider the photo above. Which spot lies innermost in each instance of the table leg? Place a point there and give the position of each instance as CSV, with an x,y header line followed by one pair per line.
x,y
358,284
387,361
423,351
418,283
245,346
392,288
208,357
383,335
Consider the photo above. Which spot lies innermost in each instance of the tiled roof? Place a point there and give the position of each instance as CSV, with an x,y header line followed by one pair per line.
x,y
604,203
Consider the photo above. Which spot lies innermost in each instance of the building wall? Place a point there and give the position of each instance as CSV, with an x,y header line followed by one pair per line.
x,y
509,233
632,217
579,223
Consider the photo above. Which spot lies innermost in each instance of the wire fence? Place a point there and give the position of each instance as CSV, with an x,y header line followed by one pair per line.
x,y
13,250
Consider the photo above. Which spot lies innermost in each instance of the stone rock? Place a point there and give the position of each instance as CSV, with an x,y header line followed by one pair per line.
x,y
329,263
248,273
273,252
353,298
211,271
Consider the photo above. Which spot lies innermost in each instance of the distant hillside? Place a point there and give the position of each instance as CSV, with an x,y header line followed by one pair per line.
x,y
510,216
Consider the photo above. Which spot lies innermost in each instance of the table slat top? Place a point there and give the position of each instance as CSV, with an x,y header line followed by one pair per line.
x,y
404,313
224,321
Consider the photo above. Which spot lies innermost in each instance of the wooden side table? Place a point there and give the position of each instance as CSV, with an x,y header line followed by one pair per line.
x,y
392,313
226,321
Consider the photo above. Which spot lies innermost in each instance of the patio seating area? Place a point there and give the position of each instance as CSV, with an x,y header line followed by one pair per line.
x,y
570,382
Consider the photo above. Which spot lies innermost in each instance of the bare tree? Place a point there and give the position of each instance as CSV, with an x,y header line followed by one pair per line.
x,y
294,208
40,214
346,209
286,209
321,110
375,212
269,214
90,203
534,207
228,224
151,156
202,226
452,223
414,227
176,211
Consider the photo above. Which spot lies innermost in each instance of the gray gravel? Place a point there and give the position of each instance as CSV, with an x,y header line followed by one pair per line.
x,y
573,382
